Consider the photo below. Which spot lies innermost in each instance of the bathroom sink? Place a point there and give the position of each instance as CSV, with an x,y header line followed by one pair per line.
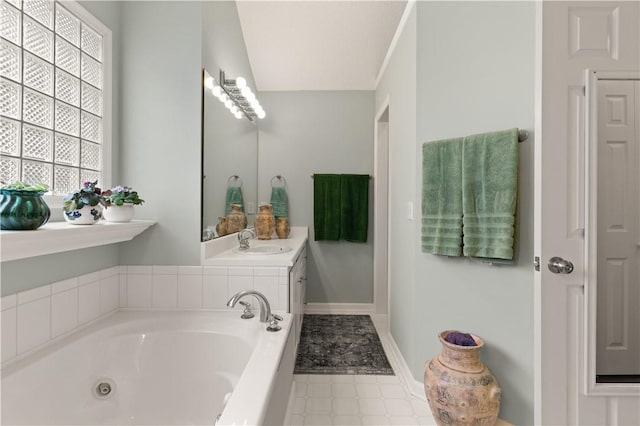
x,y
265,249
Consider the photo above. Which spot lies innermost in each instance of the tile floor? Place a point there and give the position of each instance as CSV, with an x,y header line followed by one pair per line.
x,y
355,400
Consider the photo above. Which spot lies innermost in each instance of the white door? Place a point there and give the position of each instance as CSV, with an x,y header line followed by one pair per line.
x,y
575,36
618,252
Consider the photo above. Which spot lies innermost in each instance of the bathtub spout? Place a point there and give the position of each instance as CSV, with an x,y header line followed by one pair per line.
x,y
265,308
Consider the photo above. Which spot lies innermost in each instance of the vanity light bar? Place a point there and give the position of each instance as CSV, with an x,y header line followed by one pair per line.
x,y
236,96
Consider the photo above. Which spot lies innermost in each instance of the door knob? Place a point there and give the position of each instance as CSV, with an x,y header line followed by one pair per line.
x,y
558,265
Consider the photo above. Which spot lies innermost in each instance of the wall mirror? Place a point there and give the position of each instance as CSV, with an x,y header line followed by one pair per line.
x,y
229,157
613,239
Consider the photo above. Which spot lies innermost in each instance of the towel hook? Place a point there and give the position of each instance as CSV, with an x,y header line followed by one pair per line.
x,y
280,178
234,178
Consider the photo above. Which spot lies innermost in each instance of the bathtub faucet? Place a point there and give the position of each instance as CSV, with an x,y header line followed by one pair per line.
x,y
265,308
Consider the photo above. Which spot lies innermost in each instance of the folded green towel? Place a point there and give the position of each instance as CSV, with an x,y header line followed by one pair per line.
x,y
354,208
234,196
489,193
279,201
326,207
442,197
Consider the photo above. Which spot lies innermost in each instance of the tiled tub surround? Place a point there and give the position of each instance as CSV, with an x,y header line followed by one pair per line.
x,y
32,318
201,287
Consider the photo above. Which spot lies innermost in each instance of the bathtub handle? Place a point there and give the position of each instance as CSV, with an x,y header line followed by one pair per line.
x,y
273,324
246,314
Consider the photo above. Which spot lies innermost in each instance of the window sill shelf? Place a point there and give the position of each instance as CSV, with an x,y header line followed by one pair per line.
x,y
57,237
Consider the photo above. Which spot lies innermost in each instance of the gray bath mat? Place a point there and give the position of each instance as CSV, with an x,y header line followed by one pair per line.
x,y
340,344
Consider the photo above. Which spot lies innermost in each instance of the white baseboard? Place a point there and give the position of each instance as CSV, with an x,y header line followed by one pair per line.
x,y
399,365
340,308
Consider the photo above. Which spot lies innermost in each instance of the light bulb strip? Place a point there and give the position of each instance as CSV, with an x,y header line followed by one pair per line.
x,y
249,109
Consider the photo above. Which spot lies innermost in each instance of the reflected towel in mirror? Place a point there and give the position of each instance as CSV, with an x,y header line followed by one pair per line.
x,y
234,196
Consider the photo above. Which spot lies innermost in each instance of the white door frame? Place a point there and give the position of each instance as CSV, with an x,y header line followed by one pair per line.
x,y
591,208
381,208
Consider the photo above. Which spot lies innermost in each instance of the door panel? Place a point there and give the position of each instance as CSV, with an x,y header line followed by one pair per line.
x,y
618,339
576,36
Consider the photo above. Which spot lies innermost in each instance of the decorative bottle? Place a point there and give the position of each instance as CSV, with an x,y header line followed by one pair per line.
x,y
236,219
460,389
221,227
264,222
282,227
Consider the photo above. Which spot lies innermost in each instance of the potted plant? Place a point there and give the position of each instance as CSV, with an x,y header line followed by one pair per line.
x,y
84,206
22,206
119,204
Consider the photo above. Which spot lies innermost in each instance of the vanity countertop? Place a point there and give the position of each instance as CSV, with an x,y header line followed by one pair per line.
x,y
222,251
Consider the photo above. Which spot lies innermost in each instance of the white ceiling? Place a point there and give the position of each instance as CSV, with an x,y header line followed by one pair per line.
x,y
318,45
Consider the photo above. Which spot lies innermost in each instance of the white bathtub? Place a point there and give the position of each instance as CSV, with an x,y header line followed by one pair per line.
x,y
164,368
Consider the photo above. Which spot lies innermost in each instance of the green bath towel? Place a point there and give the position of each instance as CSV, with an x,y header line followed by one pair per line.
x,y
489,193
234,196
354,208
279,201
326,207
442,197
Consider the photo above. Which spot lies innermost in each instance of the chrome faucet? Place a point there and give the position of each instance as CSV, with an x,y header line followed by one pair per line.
x,y
265,308
244,239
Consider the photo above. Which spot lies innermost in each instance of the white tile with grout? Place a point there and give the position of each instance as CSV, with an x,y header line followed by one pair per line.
x,y
339,400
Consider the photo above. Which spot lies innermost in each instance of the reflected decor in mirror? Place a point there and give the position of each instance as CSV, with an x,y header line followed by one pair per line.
x,y
229,162
236,96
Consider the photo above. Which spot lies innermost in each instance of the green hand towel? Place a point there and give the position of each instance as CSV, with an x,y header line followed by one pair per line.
x,y
354,208
234,196
489,193
279,201
442,197
326,207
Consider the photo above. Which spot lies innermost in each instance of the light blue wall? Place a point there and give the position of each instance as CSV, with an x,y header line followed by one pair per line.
x,y
160,127
398,87
321,132
474,63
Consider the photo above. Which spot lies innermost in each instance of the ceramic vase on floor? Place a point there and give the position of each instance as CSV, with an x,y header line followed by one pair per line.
x,y
459,387
236,219
264,222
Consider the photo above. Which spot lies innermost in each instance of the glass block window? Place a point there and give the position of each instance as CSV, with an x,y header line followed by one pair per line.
x,y
51,95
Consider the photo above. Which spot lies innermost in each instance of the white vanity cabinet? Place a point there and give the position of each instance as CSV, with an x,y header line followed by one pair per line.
x,y
297,292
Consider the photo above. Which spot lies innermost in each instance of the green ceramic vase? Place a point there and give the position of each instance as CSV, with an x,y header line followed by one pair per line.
x,y
22,210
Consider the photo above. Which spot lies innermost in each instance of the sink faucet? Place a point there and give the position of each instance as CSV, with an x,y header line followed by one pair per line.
x,y
265,308
244,239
